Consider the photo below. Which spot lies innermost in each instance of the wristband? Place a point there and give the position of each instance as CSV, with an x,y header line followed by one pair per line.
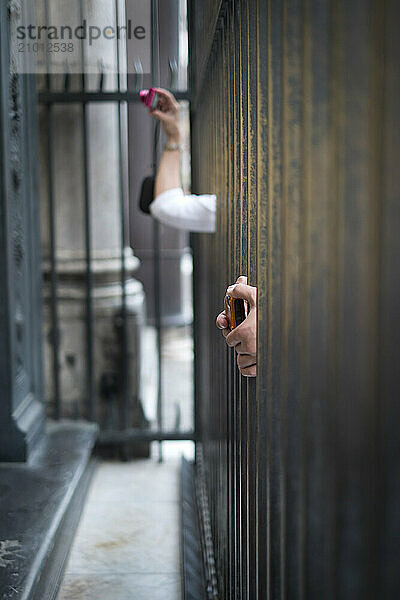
x,y
172,146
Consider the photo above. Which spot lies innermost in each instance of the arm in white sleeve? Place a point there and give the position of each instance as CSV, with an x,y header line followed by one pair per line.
x,y
190,212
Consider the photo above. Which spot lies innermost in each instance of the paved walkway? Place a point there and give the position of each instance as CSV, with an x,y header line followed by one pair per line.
x,y
127,545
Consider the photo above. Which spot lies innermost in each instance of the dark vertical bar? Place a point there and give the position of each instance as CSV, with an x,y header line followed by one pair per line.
x,y
292,98
190,8
234,259
375,49
243,270
315,319
387,510
88,248
124,315
53,268
359,220
156,226
230,276
268,121
53,249
221,189
89,277
225,559
252,66
304,275
217,405
336,153
158,324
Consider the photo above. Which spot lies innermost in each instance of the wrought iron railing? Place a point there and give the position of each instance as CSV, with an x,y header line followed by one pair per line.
x,y
295,127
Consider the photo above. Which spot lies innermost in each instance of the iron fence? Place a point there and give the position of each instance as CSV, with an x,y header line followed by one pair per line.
x,y
295,127
87,285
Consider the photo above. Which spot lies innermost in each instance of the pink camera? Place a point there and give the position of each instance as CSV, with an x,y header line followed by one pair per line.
x,y
149,98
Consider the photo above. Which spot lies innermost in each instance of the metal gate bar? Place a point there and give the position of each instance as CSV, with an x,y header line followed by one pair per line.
x,y
124,315
56,97
90,415
90,411
53,269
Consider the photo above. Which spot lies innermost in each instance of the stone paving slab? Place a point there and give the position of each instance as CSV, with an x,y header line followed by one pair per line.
x,y
127,545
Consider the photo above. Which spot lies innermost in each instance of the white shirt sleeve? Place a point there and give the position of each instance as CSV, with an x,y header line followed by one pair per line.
x,y
190,212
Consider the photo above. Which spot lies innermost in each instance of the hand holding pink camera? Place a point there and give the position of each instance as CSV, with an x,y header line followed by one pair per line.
x,y
163,106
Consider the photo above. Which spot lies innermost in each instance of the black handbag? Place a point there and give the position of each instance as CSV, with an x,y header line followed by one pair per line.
x,y
146,194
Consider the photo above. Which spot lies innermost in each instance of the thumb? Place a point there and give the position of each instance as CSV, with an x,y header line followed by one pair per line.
x,y
246,292
222,321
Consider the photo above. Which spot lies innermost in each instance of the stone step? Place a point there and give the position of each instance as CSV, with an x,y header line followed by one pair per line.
x,y
40,506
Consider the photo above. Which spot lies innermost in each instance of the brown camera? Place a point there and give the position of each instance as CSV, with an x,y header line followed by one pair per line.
x,y
235,309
